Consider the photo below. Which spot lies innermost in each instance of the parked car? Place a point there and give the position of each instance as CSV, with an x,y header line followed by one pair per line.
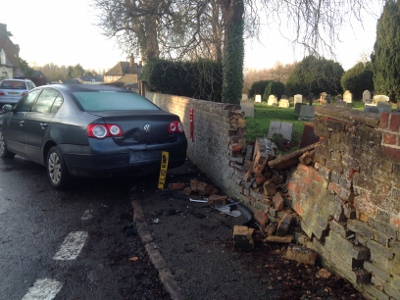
x,y
11,90
80,130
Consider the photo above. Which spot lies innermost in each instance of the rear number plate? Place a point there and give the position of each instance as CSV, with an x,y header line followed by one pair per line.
x,y
144,156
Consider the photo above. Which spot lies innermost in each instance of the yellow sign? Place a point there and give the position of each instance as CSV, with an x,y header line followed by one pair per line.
x,y
163,170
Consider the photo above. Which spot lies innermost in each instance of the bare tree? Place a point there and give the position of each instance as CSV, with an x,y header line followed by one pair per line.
x,y
188,29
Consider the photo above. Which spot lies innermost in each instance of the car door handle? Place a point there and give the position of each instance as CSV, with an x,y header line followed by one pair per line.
x,y
43,124
21,123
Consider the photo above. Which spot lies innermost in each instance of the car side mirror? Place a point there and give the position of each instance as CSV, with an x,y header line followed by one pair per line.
x,y
8,107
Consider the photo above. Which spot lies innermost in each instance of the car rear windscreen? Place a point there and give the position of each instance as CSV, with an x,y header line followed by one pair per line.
x,y
13,85
112,101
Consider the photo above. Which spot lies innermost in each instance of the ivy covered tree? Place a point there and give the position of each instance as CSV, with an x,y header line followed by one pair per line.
x,y
315,75
358,79
386,56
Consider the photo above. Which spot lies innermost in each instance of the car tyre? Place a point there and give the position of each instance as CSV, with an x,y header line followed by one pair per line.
x,y
4,152
57,171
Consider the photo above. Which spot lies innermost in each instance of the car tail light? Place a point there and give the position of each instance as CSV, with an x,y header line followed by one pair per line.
x,y
23,93
101,131
2,93
175,126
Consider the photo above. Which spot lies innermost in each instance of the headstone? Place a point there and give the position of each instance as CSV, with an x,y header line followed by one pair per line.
x,y
329,98
309,137
384,107
310,98
297,107
258,99
245,97
380,98
347,97
284,103
298,98
307,113
247,108
272,100
366,96
283,128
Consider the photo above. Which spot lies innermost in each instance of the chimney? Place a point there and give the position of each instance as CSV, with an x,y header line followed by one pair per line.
x,y
131,62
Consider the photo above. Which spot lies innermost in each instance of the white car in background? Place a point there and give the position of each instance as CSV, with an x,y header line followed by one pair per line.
x,y
11,90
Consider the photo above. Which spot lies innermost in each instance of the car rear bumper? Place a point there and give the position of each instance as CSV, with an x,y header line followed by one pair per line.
x,y
128,163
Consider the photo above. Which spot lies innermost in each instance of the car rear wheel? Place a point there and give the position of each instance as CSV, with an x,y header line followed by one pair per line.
x,y
4,152
56,169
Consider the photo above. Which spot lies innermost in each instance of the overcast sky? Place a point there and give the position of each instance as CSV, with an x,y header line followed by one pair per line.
x,y
63,32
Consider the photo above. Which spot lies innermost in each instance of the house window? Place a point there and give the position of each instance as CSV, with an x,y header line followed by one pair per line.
x,y
2,57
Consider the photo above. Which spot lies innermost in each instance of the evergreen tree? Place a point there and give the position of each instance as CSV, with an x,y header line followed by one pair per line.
x,y
386,56
358,79
315,75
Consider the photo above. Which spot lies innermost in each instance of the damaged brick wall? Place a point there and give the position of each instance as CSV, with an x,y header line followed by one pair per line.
x,y
343,192
349,198
218,135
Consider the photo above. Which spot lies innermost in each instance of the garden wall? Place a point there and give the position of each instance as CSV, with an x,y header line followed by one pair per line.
x,y
344,193
215,138
349,198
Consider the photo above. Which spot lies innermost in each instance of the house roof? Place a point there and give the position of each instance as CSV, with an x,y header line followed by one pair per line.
x,y
122,68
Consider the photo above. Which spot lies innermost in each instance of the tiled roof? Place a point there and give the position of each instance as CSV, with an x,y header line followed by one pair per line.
x,y
122,68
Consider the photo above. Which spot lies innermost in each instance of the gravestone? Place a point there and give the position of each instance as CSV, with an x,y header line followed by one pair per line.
x,y
329,98
298,98
258,99
380,98
272,100
283,128
347,97
307,113
366,96
247,108
244,97
322,97
284,103
309,137
297,107
384,107
310,98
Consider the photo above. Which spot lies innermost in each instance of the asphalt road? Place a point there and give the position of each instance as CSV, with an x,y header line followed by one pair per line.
x,y
74,244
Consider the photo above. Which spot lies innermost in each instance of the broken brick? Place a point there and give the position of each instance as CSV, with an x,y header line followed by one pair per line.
x,y
187,191
279,239
177,186
284,224
193,184
217,199
262,218
301,254
270,229
201,186
242,237
278,201
269,188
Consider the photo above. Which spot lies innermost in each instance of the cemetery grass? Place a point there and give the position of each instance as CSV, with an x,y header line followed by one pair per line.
x,y
258,126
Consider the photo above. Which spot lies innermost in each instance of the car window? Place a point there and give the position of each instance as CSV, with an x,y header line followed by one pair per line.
x,y
112,101
25,103
30,85
57,104
45,101
13,85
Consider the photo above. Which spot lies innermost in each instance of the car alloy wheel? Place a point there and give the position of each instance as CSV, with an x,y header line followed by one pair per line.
x,y
4,153
56,169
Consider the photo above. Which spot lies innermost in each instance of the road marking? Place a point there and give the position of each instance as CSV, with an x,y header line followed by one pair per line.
x,y
87,215
43,289
72,246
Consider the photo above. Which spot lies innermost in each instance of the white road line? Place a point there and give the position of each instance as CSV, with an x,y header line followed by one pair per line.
x,y
43,289
72,246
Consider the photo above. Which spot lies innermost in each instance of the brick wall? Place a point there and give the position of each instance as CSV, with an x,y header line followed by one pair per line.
x,y
218,135
346,200
349,199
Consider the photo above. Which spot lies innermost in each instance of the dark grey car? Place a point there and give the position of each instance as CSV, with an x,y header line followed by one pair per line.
x,y
90,130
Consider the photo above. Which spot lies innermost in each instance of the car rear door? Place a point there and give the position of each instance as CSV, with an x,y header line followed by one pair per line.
x,y
38,122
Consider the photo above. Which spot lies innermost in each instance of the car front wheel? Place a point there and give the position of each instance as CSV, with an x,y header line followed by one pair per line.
x,y
4,152
56,169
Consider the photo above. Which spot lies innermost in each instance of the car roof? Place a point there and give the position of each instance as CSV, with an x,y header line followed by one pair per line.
x,y
86,87
15,79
